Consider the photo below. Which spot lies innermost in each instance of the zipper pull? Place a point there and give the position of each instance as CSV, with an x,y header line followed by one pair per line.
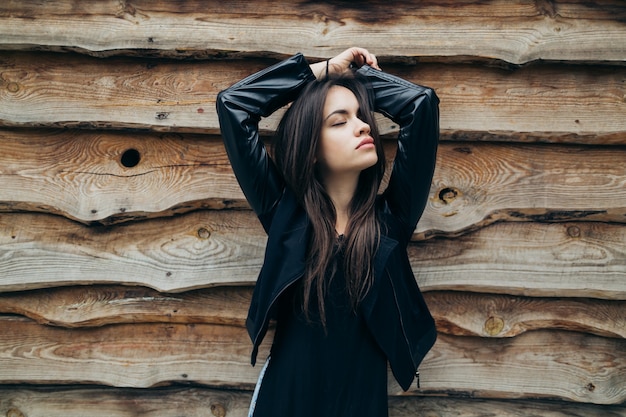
x,y
417,377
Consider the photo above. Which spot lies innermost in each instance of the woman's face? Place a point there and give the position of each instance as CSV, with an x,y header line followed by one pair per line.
x,y
345,142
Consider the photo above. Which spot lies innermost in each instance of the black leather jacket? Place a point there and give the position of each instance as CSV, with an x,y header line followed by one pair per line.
x,y
394,308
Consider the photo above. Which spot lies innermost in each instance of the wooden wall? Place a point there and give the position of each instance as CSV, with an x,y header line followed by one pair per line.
x,y
128,254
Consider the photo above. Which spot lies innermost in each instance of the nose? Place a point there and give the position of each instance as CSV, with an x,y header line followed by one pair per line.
x,y
362,128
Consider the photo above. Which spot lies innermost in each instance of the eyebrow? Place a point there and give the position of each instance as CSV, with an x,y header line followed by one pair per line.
x,y
339,111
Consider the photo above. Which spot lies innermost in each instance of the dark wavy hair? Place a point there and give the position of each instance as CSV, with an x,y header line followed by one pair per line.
x,y
295,146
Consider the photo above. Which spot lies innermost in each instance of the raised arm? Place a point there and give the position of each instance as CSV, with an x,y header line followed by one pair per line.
x,y
240,107
416,110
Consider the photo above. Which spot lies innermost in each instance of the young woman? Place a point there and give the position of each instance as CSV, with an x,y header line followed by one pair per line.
x,y
336,275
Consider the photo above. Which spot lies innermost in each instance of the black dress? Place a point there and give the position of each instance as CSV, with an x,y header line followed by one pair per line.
x,y
314,371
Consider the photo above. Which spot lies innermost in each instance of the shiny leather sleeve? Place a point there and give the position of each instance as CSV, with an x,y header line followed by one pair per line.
x,y
239,108
416,110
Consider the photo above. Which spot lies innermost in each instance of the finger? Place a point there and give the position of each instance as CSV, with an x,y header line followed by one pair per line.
x,y
372,61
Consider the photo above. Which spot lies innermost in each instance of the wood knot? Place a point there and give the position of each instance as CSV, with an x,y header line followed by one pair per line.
x,y
13,87
204,233
218,410
448,195
494,325
130,158
573,231
14,412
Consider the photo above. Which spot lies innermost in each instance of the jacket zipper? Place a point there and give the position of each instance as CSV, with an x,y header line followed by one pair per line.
x,y
282,290
406,339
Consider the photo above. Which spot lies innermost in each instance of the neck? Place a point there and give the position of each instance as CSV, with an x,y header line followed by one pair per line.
x,y
341,190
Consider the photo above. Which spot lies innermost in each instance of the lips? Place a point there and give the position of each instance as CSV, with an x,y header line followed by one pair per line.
x,y
367,141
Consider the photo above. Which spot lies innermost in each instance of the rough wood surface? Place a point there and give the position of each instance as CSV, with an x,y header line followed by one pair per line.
x,y
127,355
146,355
477,184
539,364
202,402
457,313
81,175
557,260
210,248
201,249
490,315
585,104
516,32
98,305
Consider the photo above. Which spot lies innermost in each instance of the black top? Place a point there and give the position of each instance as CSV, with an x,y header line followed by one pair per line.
x,y
338,370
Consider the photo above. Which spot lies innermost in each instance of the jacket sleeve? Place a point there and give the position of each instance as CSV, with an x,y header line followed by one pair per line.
x,y
239,109
416,110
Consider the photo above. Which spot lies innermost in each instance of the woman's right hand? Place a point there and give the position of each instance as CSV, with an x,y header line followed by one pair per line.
x,y
341,63
355,55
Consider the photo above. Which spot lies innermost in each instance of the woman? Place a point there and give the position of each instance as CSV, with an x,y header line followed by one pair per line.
x,y
336,275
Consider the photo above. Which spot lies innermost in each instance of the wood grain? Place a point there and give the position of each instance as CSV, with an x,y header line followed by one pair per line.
x,y
198,402
556,260
456,313
491,315
147,355
81,175
478,184
515,32
585,104
98,305
217,248
202,249
538,364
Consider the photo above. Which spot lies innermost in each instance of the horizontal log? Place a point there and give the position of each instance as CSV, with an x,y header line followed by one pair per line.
x,y
562,30
478,184
583,368
456,313
195,402
585,103
491,315
99,305
572,366
533,259
213,248
201,249
106,178
91,177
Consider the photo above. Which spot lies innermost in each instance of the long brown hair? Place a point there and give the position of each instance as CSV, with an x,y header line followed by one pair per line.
x,y
294,149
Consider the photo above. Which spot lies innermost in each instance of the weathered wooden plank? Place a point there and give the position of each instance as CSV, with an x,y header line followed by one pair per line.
x,y
98,305
457,313
197,402
583,368
539,364
563,30
81,175
197,250
585,103
558,260
90,177
481,183
205,249
490,315
127,355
